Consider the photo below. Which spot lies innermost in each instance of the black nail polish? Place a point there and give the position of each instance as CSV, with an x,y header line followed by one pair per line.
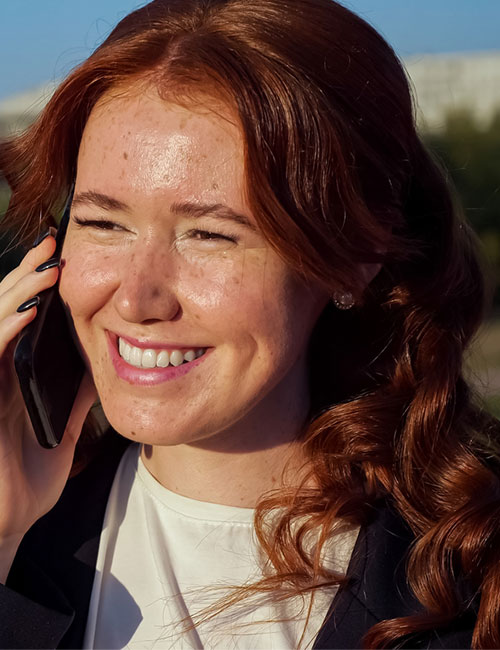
x,y
49,264
50,231
40,238
29,304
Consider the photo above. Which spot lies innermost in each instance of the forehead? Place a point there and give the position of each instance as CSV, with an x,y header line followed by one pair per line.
x,y
136,139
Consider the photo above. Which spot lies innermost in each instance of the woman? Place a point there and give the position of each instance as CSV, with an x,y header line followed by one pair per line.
x,y
272,293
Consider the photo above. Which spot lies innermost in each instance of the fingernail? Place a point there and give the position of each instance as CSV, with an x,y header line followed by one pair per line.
x,y
50,231
29,304
49,264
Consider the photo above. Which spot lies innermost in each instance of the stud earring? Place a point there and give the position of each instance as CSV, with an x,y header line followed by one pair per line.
x,y
343,300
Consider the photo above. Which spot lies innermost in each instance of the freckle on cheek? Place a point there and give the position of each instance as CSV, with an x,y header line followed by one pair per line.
x,y
125,155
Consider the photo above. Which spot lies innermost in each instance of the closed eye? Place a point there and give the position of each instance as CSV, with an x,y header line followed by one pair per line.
x,y
208,235
101,224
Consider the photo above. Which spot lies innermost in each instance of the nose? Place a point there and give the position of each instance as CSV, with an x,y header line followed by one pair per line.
x,y
146,290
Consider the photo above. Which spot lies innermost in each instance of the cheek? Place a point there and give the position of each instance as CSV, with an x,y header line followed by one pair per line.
x,y
230,291
86,281
253,296
289,311
223,285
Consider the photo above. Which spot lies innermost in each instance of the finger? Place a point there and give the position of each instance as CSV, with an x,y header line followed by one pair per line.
x,y
26,288
29,263
12,326
43,235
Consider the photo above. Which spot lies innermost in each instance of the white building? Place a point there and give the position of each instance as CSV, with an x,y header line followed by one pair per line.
x,y
451,82
18,111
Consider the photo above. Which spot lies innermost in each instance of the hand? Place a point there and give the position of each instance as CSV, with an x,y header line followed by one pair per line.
x,y
31,477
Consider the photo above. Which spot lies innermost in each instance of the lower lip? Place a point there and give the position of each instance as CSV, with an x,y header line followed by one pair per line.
x,y
149,376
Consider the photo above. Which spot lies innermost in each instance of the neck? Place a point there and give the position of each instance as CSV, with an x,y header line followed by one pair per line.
x,y
238,465
237,479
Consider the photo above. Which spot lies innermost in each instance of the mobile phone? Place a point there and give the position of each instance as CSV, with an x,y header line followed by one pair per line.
x,y
47,361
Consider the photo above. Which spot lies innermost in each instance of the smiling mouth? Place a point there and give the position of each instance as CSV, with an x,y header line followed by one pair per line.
x,y
149,358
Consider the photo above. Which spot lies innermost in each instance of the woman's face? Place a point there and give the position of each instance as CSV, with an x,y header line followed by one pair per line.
x,y
164,264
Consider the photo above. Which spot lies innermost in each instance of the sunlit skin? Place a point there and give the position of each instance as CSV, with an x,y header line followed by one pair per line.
x,y
223,431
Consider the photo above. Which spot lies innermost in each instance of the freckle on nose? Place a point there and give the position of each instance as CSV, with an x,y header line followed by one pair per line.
x,y
125,155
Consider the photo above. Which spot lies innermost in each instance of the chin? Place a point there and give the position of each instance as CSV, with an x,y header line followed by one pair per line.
x,y
150,430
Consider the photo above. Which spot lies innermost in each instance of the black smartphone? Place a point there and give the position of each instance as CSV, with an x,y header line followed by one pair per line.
x,y
47,361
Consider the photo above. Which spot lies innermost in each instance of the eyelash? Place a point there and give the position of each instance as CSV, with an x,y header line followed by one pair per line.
x,y
203,235
97,223
208,235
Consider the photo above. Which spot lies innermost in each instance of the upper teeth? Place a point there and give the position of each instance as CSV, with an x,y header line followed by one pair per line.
x,y
141,358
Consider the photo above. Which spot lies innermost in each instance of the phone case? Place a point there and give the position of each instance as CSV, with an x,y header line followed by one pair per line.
x,y
47,361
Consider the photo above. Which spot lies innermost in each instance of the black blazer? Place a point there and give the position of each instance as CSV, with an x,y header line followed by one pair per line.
x,y
46,600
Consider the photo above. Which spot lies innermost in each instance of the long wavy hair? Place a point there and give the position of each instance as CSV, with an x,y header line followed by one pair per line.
x,y
337,177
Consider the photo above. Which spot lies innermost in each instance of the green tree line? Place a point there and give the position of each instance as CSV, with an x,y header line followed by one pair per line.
x,y
471,155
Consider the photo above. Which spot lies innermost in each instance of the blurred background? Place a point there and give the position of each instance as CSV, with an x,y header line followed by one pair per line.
x,y
451,50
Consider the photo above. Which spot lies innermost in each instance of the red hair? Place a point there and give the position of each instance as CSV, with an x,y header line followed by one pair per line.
x,y
337,176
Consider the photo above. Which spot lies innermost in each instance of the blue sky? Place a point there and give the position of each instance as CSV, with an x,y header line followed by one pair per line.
x,y
41,40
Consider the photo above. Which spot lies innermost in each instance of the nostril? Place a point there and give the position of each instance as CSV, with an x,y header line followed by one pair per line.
x,y
151,321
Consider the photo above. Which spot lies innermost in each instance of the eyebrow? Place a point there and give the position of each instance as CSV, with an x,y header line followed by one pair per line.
x,y
99,200
196,210
187,208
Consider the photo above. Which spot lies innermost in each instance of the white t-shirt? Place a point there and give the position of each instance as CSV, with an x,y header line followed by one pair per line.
x,y
163,558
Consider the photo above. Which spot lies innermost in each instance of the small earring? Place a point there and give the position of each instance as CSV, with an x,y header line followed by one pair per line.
x,y
343,300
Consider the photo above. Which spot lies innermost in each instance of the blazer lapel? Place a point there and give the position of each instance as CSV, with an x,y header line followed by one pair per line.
x,y
376,588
